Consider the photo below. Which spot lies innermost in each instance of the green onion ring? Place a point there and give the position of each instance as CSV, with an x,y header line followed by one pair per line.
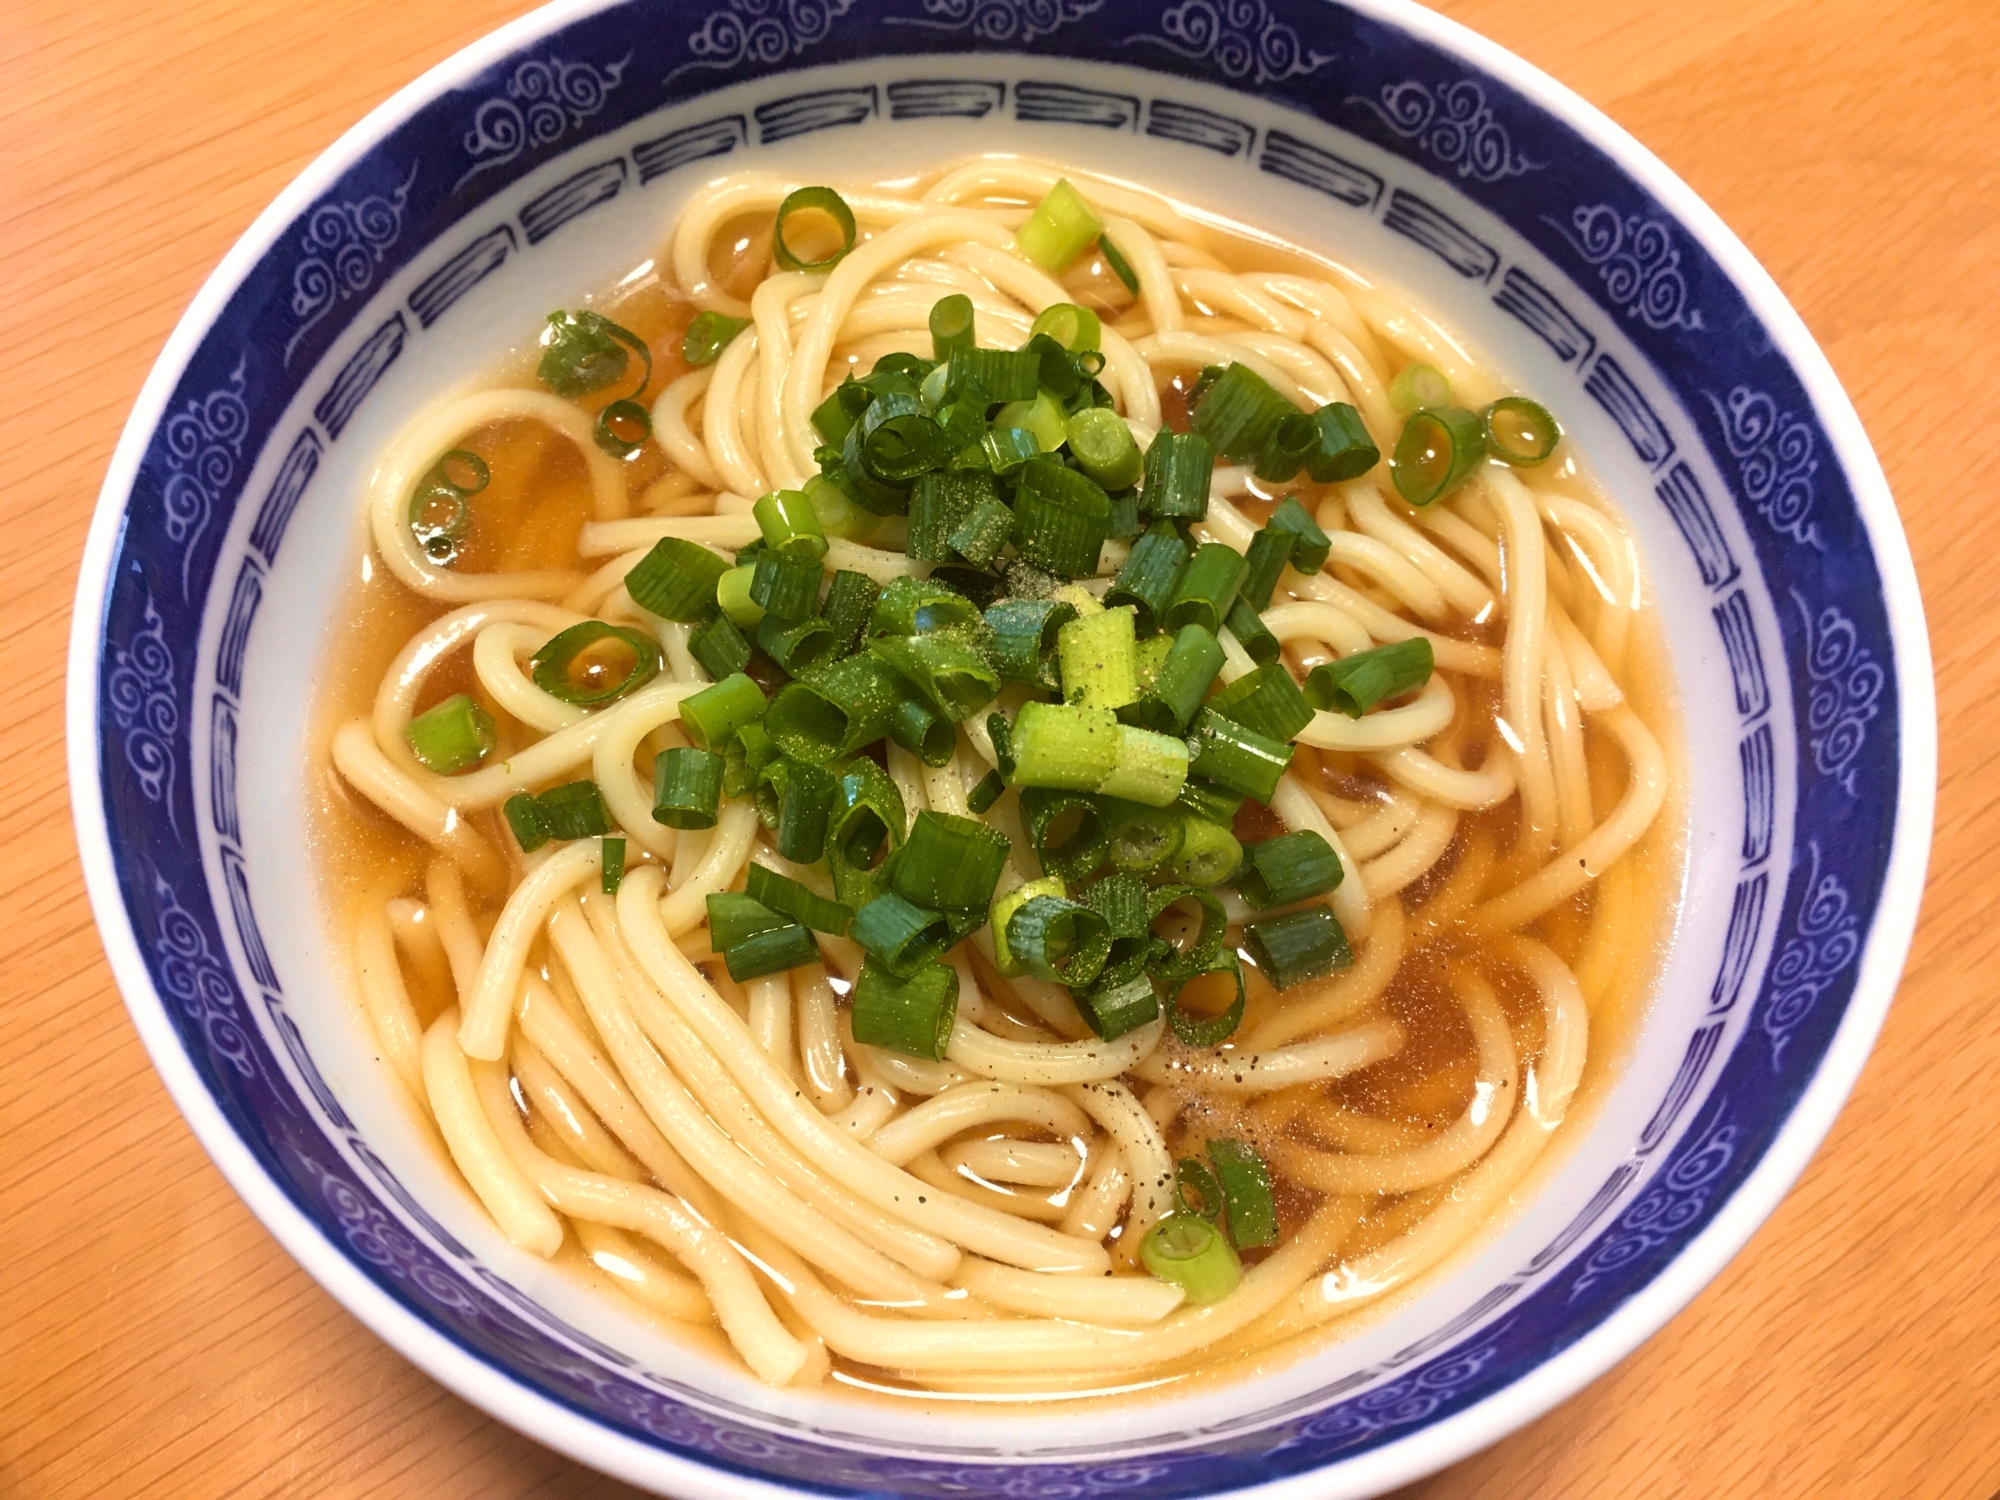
x,y
1207,1199
1199,956
551,664
1524,434
828,202
622,413
1210,1031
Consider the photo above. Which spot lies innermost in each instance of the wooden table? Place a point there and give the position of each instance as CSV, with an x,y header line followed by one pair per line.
x,y
154,1339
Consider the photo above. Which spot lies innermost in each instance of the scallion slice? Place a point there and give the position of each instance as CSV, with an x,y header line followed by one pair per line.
x,y
714,714
1237,756
834,711
1310,545
898,440
1205,799
1067,830
1209,1030
804,808
611,865
1264,563
1354,684
1246,1193
744,762
1266,700
949,863
687,787
1209,853
708,335
1005,449
1057,940
1096,652
900,935
1024,632
734,916
1418,387
1119,1002
1285,450
1192,1254
1240,412
939,505
524,817
555,665
1105,449
1147,580
1144,838
1196,1191
953,678
451,736
1288,868
912,1016
1179,466
951,326
1341,447
786,584
996,374
914,606
1520,432
849,599
1182,682
1042,416
1251,633
789,523
1064,746
1060,229
732,596
867,827
988,790
789,898
439,516
1061,519
1076,328
585,351
1198,953
622,428
773,951
676,580
807,200
796,646
719,646
1300,945
1002,912
575,810
923,733
1205,589
1118,264
1438,449
983,534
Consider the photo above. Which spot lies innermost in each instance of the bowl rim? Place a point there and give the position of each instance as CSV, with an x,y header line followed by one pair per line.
x,y
1401,1461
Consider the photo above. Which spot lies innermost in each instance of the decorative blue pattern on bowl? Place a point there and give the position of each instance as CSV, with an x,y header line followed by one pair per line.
x,y
1649,325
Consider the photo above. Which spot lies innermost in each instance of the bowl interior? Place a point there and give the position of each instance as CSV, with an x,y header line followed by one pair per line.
x,y
553,159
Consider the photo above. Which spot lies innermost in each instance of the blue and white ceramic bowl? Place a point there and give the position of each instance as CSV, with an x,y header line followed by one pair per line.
x,y
551,157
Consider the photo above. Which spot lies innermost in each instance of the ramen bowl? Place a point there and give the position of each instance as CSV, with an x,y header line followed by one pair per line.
x,y
552,156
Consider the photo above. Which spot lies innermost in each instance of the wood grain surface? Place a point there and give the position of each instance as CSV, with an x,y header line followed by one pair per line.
x,y
154,1340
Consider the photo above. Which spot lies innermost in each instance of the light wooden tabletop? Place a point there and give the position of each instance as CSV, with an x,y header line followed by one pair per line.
x,y
154,1340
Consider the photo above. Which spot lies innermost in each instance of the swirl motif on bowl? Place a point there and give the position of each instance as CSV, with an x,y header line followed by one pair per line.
x,y
204,440
1240,37
1667,1208
343,244
140,691
1638,261
1002,20
1775,458
1846,683
196,978
1826,942
1453,123
763,32
546,97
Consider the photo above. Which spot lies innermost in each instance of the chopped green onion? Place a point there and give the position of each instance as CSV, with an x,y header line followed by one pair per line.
x,y
734,916
998,374
913,606
524,817
575,810
611,865
796,646
687,786
1210,1030
1005,449
896,933
622,428
951,326
804,808
1439,447
1520,432
849,600
851,475
788,898
1284,451
1240,413
585,351
1206,588
836,513
1144,838
1291,867
714,714
1237,756
1105,448
744,762
1264,563
1067,830
983,533
1058,940
786,584
719,646
1072,748
1266,700
439,517
805,200
1310,545
1024,633
770,952
868,818
954,678
554,665
1300,945
1002,912
1120,898
897,440
1124,524
1060,229
1192,1254
1209,853
1417,388
1075,328
924,734
732,596
1342,448
988,790
1120,266
676,580
1251,633
1061,519
912,1016
452,736
1041,416
841,410
950,863
1205,799
939,505
1195,1190
1354,684
1096,652
789,523
1246,1192
835,710
1002,734
1147,580
1118,1003
767,793
1192,663
1179,467
1198,953
708,335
